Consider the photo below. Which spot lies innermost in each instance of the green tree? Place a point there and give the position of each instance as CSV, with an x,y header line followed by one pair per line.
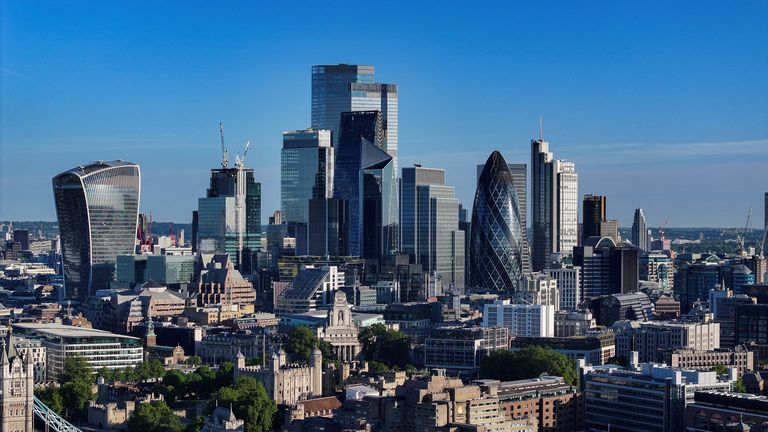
x,y
154,417
720,369
224,375
76,389
528,362
739,386
193,361
51,396
76,368
249,402
375,366
301,341
384,345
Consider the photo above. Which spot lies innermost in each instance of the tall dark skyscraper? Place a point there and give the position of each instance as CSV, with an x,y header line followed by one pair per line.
x,y
217,225
97,206
640,231
364,178
554,205
593,214
496,237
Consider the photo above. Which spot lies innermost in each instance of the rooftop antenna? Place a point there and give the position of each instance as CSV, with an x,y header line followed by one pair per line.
x,y
541,129
224,152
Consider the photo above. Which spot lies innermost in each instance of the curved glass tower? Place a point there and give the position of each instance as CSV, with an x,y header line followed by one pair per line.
x,y
98,209
496,237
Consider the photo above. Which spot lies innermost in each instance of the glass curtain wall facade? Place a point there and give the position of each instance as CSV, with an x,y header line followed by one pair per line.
x,y
365,178
216,218
306,172
97,206
496,238
640,230
430,232
568,207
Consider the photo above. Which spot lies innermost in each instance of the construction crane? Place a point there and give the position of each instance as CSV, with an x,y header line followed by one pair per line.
x,y
661,229
761,245
224,152
240,201
741,238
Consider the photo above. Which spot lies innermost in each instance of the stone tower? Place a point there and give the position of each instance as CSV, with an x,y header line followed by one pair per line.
x,y
17,382
316,363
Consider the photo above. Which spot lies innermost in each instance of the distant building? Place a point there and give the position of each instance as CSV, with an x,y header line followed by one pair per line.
x,y
340,331
649,338
593,214
739,357
594,348
497,236
714,411
99,348
569,285
220,284
640,231
540,289
653,398
607,268
286,383
98,208
223,420
306,172
313,288
632,306
573,323
657,267
521,319
463,348
666,308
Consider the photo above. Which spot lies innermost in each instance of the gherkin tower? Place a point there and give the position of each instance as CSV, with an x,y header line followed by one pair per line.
x,y
497,235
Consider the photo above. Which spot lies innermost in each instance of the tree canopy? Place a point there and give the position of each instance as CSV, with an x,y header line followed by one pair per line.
x,y
76,388
249,402
529,362
155,416
301,341
386,346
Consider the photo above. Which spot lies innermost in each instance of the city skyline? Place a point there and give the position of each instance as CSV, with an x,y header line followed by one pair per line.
x,y
699,142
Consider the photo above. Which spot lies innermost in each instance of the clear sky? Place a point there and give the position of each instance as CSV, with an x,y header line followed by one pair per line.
x,y
661,105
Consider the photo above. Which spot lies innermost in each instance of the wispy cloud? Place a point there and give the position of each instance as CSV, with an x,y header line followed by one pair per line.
x,y
663,152
12,73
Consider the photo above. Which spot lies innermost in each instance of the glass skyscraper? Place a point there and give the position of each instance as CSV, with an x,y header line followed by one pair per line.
x,y
216,218
640,231
429,228
554,206
365,178
306,172
97,206
496,237
345,88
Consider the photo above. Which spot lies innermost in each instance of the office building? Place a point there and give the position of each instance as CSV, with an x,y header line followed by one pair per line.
x,y
640,231
463,349
519,173
99,348
554,201
21,237
649,339
717,411
694,280
569,284
619,307
312,289
365,178
429,225
522,320
606,268
540,289
593,214
752,325
220,284
347,88
739,357
657,267
651,399
97,206
594,348
306,172
573,323
497,235
228,219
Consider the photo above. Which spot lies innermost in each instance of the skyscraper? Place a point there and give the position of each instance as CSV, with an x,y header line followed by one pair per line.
x,y
217,224
345,88
496,237
306,172
640,230
593,214
520,179
97,206
429,229
554,200
364,177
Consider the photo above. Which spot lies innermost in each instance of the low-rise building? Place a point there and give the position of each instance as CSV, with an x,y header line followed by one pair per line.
x,y
573,323
529,320
649,338
718,411
595,348
463,348
740,358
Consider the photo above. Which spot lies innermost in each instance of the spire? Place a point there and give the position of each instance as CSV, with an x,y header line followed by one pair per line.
x,y
541,129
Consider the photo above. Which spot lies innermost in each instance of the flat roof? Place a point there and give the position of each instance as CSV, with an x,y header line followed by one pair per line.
x,y
60,330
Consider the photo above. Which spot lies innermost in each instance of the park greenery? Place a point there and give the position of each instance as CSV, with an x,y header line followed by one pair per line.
x,y
385,348
249,402
74,390
301,341
529,362
155,416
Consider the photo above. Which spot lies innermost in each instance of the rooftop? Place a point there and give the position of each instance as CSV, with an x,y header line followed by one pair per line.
x,y
60,330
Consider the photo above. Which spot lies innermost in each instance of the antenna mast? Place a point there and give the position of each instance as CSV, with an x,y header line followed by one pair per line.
x,y
541,129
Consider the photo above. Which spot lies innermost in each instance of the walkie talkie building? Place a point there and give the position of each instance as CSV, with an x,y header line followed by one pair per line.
x,y
98,209
496,238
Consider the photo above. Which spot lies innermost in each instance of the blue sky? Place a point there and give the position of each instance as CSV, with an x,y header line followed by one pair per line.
x,y
661,105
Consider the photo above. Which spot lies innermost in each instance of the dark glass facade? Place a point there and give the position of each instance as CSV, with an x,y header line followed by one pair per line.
x,y
496,238
97,206
364,178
